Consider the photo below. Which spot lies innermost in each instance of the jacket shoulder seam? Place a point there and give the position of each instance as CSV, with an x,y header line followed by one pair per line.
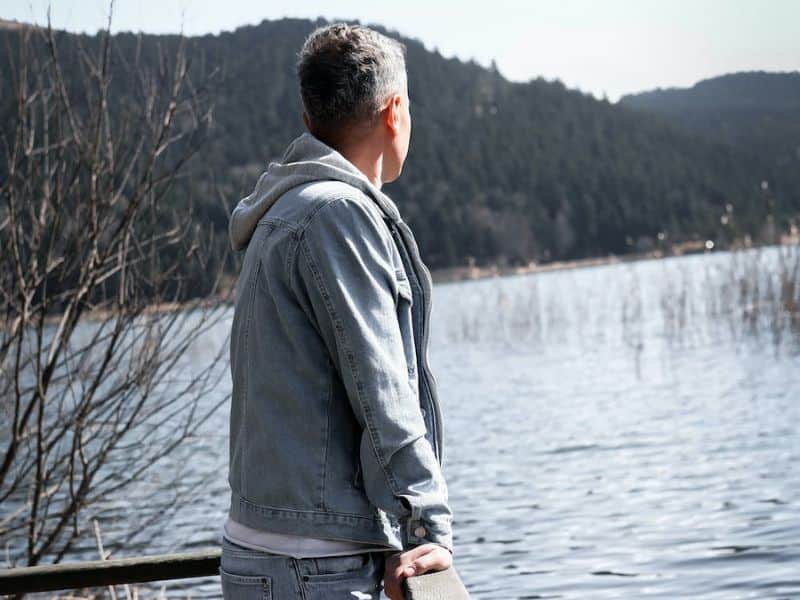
x,y
269,220
356,196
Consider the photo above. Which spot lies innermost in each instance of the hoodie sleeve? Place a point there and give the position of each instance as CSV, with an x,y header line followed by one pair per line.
x,y
345,267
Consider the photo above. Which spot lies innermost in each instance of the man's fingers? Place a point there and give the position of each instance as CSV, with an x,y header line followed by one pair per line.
x,y
424,564
437,559
429,562
404,567
419,560
418,551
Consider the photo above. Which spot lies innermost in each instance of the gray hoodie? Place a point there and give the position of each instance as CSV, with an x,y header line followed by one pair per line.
x,y
306,159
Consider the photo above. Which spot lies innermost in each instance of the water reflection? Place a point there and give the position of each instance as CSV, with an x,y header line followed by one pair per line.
x,y
621,443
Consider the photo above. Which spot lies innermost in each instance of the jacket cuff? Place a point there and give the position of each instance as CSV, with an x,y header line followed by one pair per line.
x,y
417,531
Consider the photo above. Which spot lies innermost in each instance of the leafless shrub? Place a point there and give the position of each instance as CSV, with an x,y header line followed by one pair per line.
x,y
94,386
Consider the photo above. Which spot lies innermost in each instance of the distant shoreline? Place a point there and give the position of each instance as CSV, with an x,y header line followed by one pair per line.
x,y
462,273
469,273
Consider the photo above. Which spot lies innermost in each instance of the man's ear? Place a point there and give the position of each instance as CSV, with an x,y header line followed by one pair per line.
x,y
306,121
392,114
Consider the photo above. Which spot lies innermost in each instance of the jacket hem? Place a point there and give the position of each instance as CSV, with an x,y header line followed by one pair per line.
x,y
314,523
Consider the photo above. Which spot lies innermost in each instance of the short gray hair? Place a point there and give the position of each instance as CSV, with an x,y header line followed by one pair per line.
x,y
346,73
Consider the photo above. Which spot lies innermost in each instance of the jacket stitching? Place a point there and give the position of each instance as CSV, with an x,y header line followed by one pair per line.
x,y
314,210
327,442
341,334
358,198
250,301
278,221
266,508
289,261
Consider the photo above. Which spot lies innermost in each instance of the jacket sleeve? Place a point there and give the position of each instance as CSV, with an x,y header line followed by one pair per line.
x,y
345,267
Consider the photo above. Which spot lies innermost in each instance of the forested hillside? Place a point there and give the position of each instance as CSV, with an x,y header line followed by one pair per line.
x,y
756,113
500,172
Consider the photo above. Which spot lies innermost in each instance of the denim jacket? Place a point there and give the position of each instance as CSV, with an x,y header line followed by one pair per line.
x,y
335,427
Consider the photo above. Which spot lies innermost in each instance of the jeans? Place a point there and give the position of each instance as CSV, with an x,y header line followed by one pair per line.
x,y
254,575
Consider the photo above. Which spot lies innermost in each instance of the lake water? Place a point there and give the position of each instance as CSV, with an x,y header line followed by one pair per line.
x,y
622,431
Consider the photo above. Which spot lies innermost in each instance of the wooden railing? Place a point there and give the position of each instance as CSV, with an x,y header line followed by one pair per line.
x,y
48,578
67,576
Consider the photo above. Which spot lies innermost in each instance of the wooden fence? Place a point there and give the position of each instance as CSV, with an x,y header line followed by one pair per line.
x,y
48,578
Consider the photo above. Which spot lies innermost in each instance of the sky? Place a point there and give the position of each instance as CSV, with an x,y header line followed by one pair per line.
x,y
604,47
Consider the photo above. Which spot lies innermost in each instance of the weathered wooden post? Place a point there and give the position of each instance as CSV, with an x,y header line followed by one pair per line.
x,y
442,585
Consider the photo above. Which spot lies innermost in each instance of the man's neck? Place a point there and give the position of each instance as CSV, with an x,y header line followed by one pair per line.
x,y
367,160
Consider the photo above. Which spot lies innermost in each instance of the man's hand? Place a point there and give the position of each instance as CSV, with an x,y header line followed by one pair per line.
x,y
419,560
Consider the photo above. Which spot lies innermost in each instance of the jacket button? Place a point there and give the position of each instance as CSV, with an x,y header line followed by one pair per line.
x,y
420,532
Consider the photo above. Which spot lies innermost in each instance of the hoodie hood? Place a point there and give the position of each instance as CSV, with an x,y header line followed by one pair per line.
x,y
306,159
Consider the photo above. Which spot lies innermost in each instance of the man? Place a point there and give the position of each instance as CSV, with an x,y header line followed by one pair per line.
x,y
336,434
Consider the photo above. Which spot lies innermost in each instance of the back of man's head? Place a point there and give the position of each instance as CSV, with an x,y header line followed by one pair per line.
x,y
346,73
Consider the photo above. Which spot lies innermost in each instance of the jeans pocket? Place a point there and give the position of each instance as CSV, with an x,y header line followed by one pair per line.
x,y
337,567
354,576
245,587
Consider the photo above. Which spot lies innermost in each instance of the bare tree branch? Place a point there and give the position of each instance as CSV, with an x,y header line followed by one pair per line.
x,y
96,324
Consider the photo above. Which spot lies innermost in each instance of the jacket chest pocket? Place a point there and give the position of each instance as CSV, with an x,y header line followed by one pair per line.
x,y
403,287
405,301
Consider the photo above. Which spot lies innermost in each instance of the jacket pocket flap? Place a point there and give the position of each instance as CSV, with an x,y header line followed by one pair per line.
x,y
403,285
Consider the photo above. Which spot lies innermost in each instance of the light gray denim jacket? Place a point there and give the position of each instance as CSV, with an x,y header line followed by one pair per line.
x,y
335,428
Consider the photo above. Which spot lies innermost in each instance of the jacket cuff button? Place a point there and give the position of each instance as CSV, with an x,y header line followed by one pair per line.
x,y
420,532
